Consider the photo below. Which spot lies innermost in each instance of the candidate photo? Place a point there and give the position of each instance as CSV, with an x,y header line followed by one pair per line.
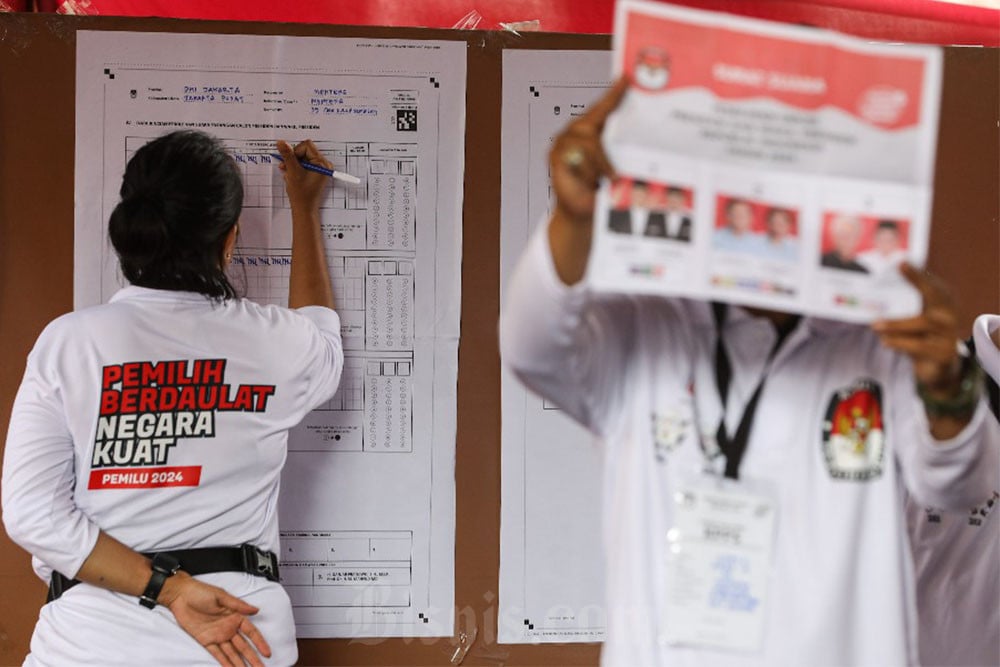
x,y
863,244
650,209
756,228
671,217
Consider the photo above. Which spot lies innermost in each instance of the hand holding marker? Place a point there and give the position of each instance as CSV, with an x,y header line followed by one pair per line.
x,y
332,173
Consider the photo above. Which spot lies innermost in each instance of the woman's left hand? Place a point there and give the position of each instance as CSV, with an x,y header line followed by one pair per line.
x,y
217,620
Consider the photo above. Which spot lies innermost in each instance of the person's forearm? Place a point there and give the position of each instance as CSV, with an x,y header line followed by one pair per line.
x,y
309,282
569,242
212,617
963,383
114,566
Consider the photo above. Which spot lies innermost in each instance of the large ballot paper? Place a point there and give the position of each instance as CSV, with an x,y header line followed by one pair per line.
x,y
766,164
367,504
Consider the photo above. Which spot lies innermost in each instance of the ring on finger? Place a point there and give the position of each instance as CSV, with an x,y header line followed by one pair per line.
x,y
572,158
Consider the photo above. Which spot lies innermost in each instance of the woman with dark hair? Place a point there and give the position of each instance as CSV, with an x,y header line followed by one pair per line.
x,y
148,435
180,197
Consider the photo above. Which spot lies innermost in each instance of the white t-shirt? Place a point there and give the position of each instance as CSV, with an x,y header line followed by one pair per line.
x,y
986,349
638,372
161,418
957,559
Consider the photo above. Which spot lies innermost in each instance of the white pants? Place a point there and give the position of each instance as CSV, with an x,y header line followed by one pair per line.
x,y
93,626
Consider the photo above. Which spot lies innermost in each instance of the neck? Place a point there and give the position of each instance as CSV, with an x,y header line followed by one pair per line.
x,y
780,320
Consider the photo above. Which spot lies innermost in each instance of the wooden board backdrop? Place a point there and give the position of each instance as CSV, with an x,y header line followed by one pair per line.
x,y
37,102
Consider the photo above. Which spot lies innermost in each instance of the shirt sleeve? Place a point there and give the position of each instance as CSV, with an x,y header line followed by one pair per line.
x,y
562,344
986,349
323,355
39,478
953,474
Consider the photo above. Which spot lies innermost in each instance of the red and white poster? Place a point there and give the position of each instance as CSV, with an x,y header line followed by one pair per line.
x,y
766,164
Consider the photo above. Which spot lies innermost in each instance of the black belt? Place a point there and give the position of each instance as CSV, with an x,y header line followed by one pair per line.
x,y
244,558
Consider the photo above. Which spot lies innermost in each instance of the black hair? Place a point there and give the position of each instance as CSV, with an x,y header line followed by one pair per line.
x,y
890,225
181,195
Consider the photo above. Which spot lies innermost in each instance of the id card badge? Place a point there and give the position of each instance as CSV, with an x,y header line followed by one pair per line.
x,y
718,563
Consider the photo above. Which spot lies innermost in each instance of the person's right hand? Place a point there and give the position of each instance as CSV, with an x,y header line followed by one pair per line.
x,y
217,620
576,164
305,188
577,160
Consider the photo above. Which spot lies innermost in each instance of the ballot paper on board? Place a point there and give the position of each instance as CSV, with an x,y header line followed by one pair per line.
x,y
367,504
766,164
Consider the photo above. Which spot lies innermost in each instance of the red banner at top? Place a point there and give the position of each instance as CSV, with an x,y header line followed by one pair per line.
x,y
664,56
915,21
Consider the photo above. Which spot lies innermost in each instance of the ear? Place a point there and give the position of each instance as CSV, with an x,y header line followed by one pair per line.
x,y
230,244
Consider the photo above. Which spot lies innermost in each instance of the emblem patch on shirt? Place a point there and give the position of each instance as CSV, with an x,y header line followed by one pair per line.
x,y
669,427
853,432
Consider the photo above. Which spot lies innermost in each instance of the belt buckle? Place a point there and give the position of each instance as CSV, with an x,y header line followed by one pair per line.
x,y
260,562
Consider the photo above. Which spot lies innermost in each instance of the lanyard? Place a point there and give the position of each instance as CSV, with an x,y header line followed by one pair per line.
x,y
733,448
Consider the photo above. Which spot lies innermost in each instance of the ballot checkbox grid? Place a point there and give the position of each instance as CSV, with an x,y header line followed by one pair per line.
x,y
263,185
267,276
348,568
350,392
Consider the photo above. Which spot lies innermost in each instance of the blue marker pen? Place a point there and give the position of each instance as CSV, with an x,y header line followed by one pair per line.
x,y
332,173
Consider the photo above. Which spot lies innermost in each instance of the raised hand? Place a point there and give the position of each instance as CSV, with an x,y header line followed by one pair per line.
x,y
931,341
304,187
930,338
577,162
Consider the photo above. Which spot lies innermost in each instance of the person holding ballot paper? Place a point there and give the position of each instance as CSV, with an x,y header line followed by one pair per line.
x,y
757,463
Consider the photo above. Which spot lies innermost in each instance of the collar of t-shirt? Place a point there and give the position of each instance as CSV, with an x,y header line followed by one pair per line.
x,y
738,317
749,341
134,292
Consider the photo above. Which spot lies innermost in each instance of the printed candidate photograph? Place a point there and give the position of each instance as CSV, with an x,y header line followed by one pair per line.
x,y
758,228
863,243
651,209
